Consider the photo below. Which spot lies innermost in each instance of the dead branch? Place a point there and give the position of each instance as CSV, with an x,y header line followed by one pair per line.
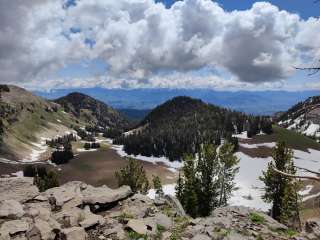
x,y
297,176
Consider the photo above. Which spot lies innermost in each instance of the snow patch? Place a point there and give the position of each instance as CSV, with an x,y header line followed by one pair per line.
x,y
306,190
310,197
86,150
168,189
243,135
312,129
253,146
173,165
18,174
36,152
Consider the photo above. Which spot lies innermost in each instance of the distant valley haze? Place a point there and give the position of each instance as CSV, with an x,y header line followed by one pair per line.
x,y
252,102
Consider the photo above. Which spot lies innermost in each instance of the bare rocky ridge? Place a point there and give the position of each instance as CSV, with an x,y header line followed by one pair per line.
x,y
77,211
303,117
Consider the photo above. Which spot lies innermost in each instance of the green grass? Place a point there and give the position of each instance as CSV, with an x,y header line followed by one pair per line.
x,y
293,139
132,235
256,218
180,223
160,229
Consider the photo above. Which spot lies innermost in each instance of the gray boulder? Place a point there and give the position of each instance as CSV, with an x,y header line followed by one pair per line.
x,y
104,195
68,194
13,227
19,189
11,209
138,226
74,233
175,204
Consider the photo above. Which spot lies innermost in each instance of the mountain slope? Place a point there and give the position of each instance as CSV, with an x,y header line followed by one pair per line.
x,y
180,125
303,117
25,118
92,111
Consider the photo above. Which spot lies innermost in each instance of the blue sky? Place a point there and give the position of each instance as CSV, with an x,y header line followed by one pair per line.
x,y
141,44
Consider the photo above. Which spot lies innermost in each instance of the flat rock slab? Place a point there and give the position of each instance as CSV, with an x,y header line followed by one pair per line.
x,y
138,226
19,189
104,195
74,233
14,227
11,209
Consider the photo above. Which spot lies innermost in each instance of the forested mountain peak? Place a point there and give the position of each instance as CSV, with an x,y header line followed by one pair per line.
x,y
182,124
93,110
182,106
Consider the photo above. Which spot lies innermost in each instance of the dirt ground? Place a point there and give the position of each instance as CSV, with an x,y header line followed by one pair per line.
x,y
98,168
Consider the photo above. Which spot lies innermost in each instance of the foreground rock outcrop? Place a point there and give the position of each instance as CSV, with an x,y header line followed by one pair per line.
x,y
77,211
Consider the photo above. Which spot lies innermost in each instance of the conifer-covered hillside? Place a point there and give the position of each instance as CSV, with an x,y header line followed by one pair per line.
x,y
93,111
180,125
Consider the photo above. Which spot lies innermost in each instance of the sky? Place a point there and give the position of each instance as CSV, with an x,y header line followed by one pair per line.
x,y
223,45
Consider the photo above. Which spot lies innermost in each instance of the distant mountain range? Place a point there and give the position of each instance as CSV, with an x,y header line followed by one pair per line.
x,y
260,102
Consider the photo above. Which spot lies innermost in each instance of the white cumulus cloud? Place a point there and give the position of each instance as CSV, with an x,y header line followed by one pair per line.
x,y
140,39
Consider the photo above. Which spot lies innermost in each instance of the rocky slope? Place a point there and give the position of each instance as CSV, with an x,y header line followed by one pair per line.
x,y
93,111
25,118
304,117
77,211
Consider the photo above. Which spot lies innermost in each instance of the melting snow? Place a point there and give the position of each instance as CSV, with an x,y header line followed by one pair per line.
x,y
18,174
306,190
36,153
242,135
86,150
252,146
173,165
168,189
310,197
312,129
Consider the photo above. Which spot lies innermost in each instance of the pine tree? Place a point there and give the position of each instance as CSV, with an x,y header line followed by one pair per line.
x,y
280,190
133,175
207,172
228,169
157,186
290,214
190,198
199,188
180,188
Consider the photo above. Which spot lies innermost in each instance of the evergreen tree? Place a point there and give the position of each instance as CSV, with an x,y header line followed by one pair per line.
x,y
280,190
43,179
228,169
157,186
133,175
190,198
207,172
179,188
208,180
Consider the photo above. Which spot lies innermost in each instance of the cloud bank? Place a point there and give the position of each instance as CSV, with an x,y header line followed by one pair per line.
x,y
145,44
